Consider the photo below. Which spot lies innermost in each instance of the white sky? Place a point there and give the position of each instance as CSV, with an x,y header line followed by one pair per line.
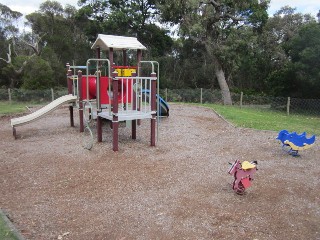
x,y
29,6
303,6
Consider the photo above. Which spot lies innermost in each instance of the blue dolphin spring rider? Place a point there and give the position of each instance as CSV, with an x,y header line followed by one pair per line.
x,y
293,142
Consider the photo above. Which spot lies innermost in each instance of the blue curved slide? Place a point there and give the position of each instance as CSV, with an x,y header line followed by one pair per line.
x,y
164,107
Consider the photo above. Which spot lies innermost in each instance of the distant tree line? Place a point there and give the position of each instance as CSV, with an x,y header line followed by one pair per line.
x,y
222,44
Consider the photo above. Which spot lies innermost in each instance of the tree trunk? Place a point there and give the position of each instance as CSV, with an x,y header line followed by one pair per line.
x,y
226,96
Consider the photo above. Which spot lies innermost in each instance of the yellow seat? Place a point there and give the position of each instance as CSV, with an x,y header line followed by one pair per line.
x,y
247,165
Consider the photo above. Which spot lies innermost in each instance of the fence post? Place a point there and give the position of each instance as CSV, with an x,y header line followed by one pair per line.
x,y
9,93
288,106
52,94
201,95
241,98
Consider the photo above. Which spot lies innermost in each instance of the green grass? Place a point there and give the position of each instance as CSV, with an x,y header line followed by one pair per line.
x,y
5,231
7,107
268,119
14,107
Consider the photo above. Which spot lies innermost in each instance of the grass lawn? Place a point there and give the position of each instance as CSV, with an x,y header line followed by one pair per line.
x,y
5,231
7,107
268,119
14,107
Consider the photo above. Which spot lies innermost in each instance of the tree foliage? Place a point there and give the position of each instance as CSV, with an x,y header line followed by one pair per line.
x,y
127,18
275,42
211,23
304,52
38,75
60,31
8,18
199,44
8,30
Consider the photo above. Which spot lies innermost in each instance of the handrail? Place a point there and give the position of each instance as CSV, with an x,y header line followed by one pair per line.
x,y
158,76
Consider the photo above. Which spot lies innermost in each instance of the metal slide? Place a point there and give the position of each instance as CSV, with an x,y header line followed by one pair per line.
x,y
43,111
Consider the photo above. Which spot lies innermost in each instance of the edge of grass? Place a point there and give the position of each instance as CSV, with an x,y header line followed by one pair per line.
x,y
8,108
7,229
267,119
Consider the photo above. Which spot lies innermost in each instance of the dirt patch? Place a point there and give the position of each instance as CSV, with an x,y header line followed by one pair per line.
x,y
54,188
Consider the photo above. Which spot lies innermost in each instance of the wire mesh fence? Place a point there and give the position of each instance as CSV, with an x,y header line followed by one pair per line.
x,y
285,104
33,96
199,95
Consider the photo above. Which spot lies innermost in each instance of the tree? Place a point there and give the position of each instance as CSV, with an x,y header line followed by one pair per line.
x,y
277,66
210,23
61,31
245,61
56,38
38,75
120,17
304,52
8,18
63,39
127,18
8,31
17,57
17,62
156,40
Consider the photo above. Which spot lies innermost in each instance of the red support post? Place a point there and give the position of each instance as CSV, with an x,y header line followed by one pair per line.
x,y
98,53
153,100
14,132
134,106
115,119
99,129
80,101
111,59
71,116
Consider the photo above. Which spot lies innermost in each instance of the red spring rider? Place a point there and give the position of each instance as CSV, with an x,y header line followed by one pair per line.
x,y
243,175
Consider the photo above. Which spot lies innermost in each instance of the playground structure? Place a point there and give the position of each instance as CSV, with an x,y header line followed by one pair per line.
x,y
292,143
116,93
243,175
102,90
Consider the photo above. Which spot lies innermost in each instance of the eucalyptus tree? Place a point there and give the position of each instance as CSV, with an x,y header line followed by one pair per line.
x,y
303,49
8,18
11,67
119,16
128,18
280,29
59,29
62,37
210,23
8,32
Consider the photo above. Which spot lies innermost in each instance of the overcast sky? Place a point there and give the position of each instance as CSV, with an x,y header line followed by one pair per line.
x,y
303,6
29,6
